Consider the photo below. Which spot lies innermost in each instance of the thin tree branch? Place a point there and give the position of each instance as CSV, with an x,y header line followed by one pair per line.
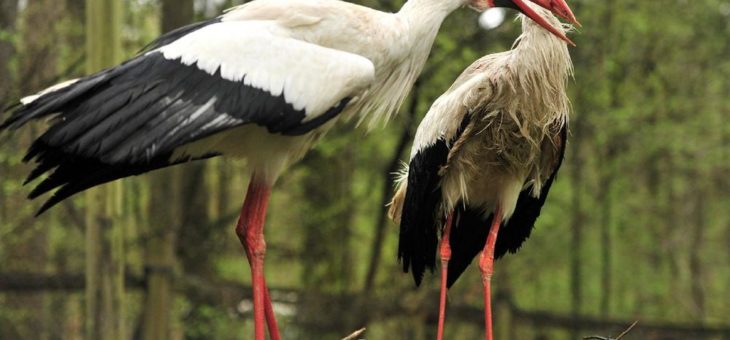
x,y
596,337
355,334
627,330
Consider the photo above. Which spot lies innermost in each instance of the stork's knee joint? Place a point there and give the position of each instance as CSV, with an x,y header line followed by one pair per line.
x,y
256,245
486,265
445,252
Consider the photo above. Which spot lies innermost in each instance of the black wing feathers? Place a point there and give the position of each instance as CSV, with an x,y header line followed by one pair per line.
x,y
422,216
420,220
129,119
470,229
75,174
52,103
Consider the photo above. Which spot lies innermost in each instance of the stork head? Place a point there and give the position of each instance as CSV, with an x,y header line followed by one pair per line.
x,y
557,7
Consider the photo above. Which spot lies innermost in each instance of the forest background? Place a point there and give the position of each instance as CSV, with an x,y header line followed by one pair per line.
x,y
637,227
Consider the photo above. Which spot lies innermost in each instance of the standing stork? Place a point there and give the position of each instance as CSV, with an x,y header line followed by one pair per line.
x,y
263,82
486,154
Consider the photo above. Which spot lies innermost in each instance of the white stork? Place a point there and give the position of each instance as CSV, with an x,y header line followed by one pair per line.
x,y
263,82
486,153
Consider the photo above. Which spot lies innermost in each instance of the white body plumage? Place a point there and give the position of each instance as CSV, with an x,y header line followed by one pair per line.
x,y
315,53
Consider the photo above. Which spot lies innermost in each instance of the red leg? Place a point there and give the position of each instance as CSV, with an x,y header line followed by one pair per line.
x,y
486,265
269,310
270,317
250,230
445,253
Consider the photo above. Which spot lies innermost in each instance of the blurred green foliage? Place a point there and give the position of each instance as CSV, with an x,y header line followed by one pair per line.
x,y
637,226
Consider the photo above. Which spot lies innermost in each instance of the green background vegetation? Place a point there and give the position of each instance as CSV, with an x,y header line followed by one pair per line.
x,y
636,228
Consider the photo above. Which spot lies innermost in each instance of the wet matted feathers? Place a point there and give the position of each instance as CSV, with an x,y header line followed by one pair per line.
x,y
471,227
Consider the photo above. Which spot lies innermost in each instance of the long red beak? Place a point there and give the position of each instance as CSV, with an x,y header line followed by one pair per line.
x,y
560,9
541,21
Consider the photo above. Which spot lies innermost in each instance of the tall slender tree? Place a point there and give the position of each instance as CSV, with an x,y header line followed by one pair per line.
x,y
165,220
8,12
104,238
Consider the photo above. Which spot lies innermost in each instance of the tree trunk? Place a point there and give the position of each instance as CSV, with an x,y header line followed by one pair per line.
x,y
393,167
8,13
695,249
176,13
104,239
164,220
327,266
167,207
32,252
606,173
8,16
577,222
605,200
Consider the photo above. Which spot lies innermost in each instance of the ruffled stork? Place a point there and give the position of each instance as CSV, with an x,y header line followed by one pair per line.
x,y
483,161
263,82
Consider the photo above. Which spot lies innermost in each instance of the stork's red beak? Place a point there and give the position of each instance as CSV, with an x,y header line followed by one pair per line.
x,y
560,9
524,8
